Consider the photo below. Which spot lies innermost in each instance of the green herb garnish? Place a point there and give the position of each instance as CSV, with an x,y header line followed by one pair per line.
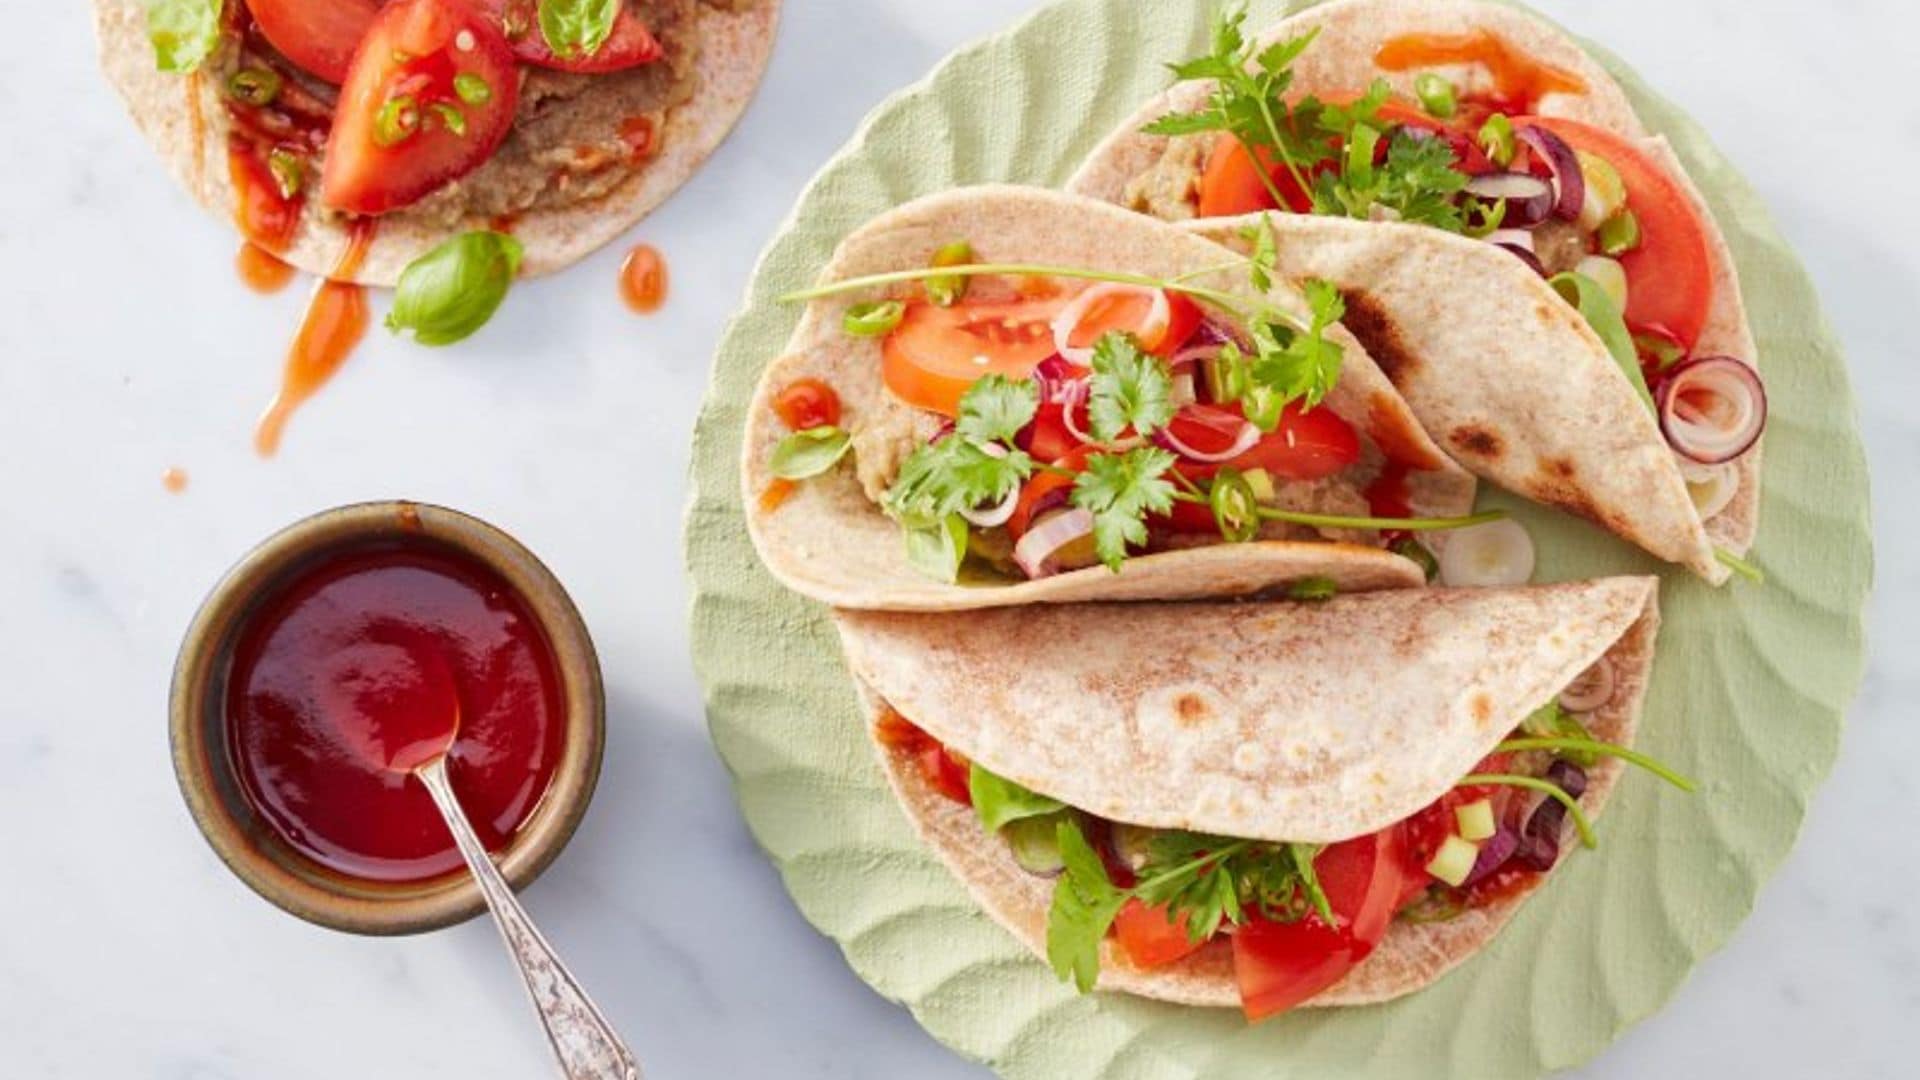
x,y
1601,313
1000,802
938,548
1130,388
451,291
806,454
183,33
577,28
1120,490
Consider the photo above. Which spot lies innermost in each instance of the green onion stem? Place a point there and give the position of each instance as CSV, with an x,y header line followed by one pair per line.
x,y
1740,566
1234,305
1328,521
1579,816
1608,749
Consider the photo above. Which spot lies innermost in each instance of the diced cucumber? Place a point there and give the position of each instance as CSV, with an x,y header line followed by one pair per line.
x,y
1475,820
1454,861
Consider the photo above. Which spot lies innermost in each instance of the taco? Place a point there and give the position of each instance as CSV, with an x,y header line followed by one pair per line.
x,y
349,137
1535,272
994,399
1301,804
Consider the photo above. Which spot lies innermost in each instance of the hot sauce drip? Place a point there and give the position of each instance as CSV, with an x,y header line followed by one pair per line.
x,y
1389,496
261,270
1519,80
778,490
335,322
643,279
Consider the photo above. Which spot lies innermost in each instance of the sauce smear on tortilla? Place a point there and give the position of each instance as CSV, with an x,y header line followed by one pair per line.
x,y
335,322
643,279
1519,80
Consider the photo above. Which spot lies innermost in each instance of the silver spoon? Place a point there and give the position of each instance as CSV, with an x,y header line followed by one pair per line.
x,y
585,1045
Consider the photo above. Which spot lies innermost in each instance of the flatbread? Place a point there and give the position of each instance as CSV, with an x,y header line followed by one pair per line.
x,y
1615,618
1340,60
182,116
830,540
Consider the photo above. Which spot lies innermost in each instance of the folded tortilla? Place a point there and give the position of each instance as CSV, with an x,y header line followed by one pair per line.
x,y
830,540
1281,722
183,117
1502,371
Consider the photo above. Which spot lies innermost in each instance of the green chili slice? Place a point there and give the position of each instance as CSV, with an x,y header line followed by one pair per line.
x,y
397,121
255,86
1619,234
1235,509
289,172
1437,95
472,89
451,118
1496,138
947,289
876,318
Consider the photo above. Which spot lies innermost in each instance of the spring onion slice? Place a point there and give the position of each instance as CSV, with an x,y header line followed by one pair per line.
x,y
1607,749
1327,521
1579,816
1740,566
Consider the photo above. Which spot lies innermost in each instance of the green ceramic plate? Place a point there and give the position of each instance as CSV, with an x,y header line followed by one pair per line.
x,y
1748,692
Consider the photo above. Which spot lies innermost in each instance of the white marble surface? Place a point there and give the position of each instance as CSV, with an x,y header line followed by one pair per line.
x,y
127,346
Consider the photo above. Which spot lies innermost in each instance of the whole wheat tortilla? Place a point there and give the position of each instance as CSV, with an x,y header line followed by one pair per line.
x,y
829,540
1615,618
1341,59
183,118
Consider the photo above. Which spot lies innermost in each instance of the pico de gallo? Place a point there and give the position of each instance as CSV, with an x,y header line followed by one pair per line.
x,y
1297,917
1599,214
1041,420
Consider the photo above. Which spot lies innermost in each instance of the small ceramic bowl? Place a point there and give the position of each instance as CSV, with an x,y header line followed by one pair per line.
x,y
250,847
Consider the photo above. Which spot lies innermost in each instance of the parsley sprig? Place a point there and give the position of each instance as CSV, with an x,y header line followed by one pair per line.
x,y
1206,882
1330,152
960,472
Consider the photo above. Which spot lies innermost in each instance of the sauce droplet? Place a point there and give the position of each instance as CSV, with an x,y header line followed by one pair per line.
x,y
174,480
776,493
261,270
335,322
643,279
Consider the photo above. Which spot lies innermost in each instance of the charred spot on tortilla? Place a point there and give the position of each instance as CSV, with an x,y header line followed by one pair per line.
x,y
1373,324
1560,467
1190,709
1476,440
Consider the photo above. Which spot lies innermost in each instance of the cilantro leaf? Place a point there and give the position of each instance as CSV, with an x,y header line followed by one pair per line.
x,y
943,478
1295,365
1416,183
1085,903
1120,490
1129,388
1263,252
1000,801
995,408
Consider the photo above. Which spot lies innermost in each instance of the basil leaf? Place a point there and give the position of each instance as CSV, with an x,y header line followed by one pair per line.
x,y
575,28
451,291
183,32
1000,801
809,453
937,550
1601,313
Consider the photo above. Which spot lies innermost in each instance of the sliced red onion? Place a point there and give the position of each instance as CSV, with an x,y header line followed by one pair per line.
x,y
1540,841
1053,377
1529,198
1512,238
1591,690
1245,435
1159,317
1035,551
1569,182
1568,777
1195,354
1525,255
1712,408
1183,390
1494,853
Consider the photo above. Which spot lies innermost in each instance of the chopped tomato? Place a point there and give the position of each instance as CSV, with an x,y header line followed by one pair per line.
x,y
629,44
936,353
1279,965
1045,489
1127,309
1149,938
1669,276
807,403
1048,438
1306,445
1231,183
896,732
947,771
318,35
429,97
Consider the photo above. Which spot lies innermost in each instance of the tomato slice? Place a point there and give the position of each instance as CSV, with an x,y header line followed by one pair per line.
x,y
1669,276
1045,488
936,353
807,403
1280,965
948,772
318,35
1127,309
408,64
1231,183
1149,938
629,44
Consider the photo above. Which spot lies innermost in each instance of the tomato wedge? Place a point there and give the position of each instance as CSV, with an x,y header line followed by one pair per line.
x,y
430,95
1149,938
1669,276
1127,308
629,44
1231,183
1280,965
936,353
318,35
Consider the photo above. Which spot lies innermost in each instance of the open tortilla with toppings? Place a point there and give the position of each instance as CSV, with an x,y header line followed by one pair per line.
x,y
1348,725
885,383
1626,391
588,153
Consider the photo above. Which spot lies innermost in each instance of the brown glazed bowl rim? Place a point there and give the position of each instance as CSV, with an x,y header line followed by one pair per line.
x,y
250,847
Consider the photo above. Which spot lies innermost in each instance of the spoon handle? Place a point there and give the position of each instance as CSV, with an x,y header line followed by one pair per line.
x,y
582,1040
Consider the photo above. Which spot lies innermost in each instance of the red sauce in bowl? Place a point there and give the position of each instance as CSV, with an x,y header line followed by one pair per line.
x,y
358,661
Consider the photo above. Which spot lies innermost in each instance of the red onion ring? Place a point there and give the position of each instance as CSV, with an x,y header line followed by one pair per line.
x,y
1159,318
1530,199
1569,180
1035,551
1245,435
1000,512
1712,408
1053,378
